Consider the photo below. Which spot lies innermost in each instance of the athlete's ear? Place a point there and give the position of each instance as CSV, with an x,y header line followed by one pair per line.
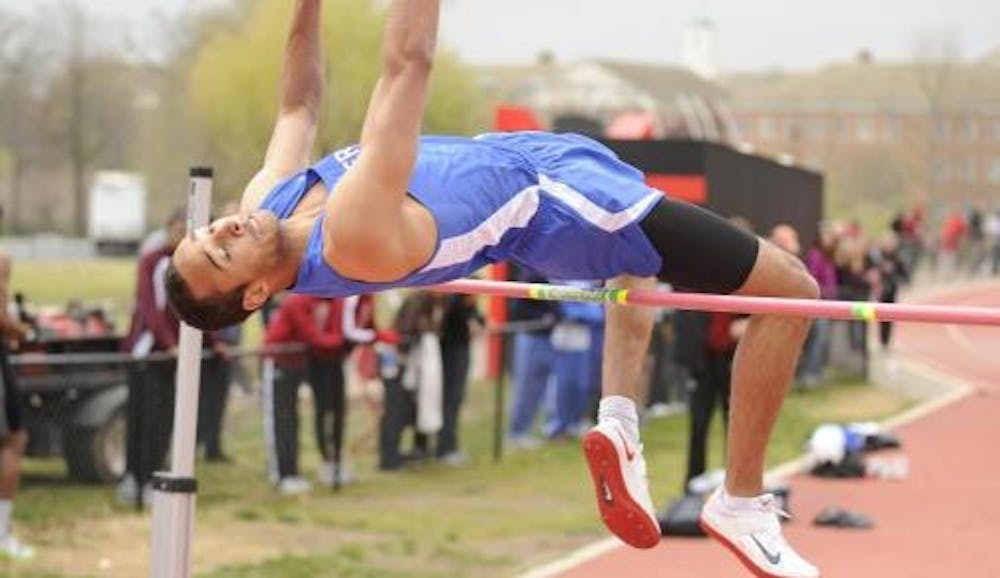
x,y
255,295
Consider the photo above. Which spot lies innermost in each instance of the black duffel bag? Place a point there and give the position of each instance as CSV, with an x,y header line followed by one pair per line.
x,y
680,518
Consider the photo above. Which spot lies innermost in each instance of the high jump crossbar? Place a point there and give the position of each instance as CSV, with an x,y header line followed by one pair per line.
x,y
854,310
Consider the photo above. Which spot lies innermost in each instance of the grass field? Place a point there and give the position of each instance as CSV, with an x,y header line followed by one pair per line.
x,y
109,283
106,282
483,520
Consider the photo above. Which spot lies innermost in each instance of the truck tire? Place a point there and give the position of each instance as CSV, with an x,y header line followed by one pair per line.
x,y
96,454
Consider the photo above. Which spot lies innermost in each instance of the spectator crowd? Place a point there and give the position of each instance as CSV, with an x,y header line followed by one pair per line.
x,y
413,372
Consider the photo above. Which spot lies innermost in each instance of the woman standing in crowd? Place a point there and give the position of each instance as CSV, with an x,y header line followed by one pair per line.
x,y
857,279
820,263
892,274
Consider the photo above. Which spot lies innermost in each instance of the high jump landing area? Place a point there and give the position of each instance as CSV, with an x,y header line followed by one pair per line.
x,y
943,520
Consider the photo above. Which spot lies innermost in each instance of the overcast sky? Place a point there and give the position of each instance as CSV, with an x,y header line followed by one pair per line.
x,y
750,34
797,34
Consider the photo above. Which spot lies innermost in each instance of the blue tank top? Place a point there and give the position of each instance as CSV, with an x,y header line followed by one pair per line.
x,y
561,205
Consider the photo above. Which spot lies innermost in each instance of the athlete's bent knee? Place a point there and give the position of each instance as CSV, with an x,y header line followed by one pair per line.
x,y
780,274
802,285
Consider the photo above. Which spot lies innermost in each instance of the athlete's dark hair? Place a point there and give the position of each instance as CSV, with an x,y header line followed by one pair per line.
x,y
209,313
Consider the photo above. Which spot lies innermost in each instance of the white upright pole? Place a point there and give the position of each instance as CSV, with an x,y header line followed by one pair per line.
x,y
174,491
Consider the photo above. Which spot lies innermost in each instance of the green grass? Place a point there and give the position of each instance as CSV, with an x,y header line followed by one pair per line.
x,y
481,521
107,282
346,562
487,519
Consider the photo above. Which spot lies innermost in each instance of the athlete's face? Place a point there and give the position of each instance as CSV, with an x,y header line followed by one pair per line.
x,y
231,252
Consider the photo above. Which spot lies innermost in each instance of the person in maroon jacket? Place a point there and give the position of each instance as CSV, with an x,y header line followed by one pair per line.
x,y
150,406
153,329
320,324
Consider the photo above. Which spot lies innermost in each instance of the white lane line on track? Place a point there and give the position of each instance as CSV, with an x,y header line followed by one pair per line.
x,y
956,390
978,347
574,559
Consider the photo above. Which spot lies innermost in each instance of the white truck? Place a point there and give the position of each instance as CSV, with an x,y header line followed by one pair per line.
x,y
116,220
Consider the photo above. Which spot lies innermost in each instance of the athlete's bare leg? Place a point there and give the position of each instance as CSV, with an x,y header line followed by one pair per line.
x,y
626,341
614,454
742,517
763,367
11,450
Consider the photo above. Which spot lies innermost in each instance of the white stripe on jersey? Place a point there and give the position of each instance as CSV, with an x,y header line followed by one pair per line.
x,y
516,213
593,213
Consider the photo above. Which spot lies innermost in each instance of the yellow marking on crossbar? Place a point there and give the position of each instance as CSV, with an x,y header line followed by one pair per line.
x,y
864,311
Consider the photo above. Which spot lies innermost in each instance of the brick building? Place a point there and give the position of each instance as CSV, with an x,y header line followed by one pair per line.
x,y
884,132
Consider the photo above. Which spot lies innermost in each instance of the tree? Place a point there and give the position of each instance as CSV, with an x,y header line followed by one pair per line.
x,y
19,57
76,83
936,57
100,102
233,84
867,184
170,139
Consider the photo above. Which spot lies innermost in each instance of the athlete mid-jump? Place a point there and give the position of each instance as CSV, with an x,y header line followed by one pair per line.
x,y
403,210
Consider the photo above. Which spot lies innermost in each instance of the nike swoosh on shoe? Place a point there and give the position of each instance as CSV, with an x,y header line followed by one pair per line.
x,y
772,558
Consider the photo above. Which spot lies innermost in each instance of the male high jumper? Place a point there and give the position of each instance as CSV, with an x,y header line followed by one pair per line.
x,y
402,210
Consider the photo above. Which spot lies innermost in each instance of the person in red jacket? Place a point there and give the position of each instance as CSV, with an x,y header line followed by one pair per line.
x,y
953,231
321,325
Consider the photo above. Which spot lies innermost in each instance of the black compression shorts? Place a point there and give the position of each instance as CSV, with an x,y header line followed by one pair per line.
x,y
701,251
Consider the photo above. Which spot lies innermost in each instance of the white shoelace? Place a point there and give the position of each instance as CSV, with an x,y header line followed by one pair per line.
x,y
768,504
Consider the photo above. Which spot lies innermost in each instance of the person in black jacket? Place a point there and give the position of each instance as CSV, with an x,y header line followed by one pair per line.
x,y
892,274
706,343
461,321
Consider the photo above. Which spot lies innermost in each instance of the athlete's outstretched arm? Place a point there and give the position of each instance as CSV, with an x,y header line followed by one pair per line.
x,y
302,82
372,232
392,124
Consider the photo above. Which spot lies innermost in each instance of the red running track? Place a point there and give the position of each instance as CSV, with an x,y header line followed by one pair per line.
x,y
944,520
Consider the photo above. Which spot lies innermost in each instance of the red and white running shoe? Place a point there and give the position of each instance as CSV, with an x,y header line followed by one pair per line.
x,y
618,471
754,534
